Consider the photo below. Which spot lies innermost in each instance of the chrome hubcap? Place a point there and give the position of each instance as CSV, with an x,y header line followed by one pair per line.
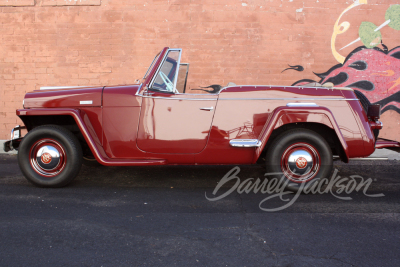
x,y
48,157
300,162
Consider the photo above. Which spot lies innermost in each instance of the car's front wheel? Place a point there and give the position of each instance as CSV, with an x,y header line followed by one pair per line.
x,y
300,156
50,156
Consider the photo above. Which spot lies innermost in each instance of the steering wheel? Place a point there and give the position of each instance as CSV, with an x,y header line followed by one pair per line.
x,y
167,81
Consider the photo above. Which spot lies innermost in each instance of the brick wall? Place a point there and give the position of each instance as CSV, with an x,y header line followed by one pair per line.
x,y
108,42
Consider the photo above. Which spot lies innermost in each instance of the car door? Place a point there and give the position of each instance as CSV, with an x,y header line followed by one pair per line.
x,y
172,122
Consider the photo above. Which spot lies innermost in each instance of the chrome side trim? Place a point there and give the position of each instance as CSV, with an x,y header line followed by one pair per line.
x,y
298,99
188,94
173,98
299,86
194,94
301,105
245,143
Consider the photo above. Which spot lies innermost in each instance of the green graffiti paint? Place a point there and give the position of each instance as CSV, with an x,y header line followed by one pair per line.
x,y
393,13
369,37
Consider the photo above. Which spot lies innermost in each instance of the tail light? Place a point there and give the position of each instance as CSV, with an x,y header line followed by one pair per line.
x,y
374,112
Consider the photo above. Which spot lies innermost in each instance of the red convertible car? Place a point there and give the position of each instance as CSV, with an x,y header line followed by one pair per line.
x,y
297,129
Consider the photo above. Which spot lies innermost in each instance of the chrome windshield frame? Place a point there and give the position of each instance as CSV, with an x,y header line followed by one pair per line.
x,y
159,68
151,65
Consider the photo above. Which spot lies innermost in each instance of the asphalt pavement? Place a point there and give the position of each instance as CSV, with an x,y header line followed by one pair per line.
x,y
160,216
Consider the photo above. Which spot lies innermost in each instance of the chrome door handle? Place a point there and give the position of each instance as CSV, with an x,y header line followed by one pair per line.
x,y
148,93
208,109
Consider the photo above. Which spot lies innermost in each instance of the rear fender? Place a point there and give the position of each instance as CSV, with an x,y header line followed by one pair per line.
x,y
285,115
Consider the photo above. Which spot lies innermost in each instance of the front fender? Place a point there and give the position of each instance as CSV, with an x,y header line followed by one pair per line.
x,y
284,115
87,130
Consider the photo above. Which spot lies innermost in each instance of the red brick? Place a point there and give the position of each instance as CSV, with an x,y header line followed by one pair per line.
x,y
70,3
18,3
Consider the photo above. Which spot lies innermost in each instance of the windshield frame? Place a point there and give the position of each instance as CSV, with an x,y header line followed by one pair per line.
x,y
159,68
151,65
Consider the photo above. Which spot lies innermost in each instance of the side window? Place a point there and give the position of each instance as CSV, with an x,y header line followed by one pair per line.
x,y
165,80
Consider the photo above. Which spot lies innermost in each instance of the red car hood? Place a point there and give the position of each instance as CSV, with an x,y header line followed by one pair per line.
x,y
61,98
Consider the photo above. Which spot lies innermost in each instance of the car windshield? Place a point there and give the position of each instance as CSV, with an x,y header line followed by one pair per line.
x,y
165,80
152,65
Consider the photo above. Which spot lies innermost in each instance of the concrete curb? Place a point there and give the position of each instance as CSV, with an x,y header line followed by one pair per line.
x,y
386,153
2,151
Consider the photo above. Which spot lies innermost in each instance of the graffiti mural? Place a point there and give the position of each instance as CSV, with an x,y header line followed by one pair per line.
x,y
296,68
372,70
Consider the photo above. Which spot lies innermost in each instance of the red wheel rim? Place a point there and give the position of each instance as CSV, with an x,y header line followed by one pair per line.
x,y
47,157
300,162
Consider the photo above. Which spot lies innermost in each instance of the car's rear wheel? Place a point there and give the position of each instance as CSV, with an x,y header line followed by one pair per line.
x,y
50,156
300,156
